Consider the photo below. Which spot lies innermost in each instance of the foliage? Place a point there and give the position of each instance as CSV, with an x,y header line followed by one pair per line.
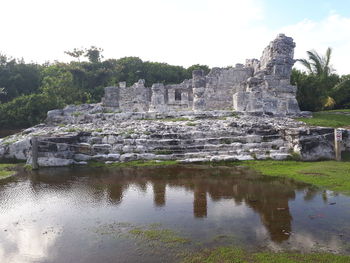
x,y
341,93
57,82
316,89
17,78
318,65
26,110
312,90
205,68
77,82
328,119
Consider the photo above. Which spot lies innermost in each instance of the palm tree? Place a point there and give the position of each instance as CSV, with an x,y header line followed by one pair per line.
x,y
316,64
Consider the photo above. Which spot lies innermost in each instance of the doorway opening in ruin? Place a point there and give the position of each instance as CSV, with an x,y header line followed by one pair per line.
x,y
178,95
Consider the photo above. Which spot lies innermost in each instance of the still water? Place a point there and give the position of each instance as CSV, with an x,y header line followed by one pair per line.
x,y
90,215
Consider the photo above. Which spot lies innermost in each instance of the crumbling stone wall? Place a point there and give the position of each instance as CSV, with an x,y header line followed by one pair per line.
x,y
129,99
258,86
221,85
179,96
269,89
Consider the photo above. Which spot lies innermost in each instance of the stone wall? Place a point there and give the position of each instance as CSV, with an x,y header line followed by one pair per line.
x,y
269,89
136,98
200,136
221,85
179,96
258,86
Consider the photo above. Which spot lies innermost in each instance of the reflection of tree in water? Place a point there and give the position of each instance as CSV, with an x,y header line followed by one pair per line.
x,y
267,196
159,187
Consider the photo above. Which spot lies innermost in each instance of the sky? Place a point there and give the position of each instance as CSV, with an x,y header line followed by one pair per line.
x,y
217,33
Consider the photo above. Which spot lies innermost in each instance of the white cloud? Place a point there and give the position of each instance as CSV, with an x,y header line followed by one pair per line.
x,y
330,32
216,32
182,32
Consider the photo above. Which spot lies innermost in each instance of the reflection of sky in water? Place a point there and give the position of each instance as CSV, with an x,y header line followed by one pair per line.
x,y
48,216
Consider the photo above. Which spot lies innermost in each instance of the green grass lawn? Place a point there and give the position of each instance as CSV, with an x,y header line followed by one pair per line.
x,y
237,255
328,119
326,174
6,170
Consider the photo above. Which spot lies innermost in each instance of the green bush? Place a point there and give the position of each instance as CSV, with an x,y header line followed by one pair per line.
x,y
26,110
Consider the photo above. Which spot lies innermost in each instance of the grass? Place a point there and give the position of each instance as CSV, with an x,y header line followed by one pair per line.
x,y
191,124
237,255
174,119
325,174
340,110
152,234
164,236
72,130
139,163
328,119
6,170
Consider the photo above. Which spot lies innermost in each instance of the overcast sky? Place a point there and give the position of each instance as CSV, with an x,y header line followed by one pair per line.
x,y
181,32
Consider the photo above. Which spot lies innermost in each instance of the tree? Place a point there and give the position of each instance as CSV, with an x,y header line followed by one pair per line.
x,y
315,89
313,92
57,84
18,78
316,64
205,68
94,54
76,53
341,93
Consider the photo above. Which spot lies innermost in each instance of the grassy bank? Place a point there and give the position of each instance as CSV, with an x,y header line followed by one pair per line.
x,y
326,174
236,255
335,119
6,170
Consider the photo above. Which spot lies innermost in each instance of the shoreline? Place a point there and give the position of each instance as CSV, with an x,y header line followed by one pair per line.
x,y
330,175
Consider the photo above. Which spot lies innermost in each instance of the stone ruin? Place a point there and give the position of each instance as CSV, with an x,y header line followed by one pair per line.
x,y
258,86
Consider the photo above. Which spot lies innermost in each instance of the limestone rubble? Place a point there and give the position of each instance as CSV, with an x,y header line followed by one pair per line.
x,y
204,136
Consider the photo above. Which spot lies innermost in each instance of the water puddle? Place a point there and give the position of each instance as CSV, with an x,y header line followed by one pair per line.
x,y
161,214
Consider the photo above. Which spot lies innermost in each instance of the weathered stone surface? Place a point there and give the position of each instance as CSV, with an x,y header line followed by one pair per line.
x,y
51,161
158,103
111,98
269,91
257,87
211,136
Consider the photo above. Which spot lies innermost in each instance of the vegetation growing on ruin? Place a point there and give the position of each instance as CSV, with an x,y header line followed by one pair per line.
x,y
234,254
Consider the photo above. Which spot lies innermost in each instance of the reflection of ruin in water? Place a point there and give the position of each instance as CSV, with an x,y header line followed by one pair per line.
x,y
267,196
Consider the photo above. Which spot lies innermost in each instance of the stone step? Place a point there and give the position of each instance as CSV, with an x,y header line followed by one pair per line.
x,y
204,141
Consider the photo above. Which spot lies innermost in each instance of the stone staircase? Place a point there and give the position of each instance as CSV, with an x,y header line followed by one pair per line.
x,y
194,141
